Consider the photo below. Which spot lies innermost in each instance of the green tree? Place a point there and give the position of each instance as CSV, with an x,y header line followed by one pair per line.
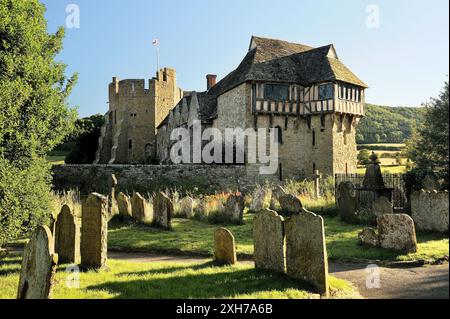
x,y
34,114
429,148
364,157
85,137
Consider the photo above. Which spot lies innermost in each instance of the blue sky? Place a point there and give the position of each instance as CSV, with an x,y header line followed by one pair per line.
x,y
404,61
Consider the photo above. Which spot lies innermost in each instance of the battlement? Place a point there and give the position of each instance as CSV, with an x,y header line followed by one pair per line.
x,y
128,87
165,75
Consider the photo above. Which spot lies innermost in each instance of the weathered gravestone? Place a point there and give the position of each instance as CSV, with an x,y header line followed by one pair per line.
x,y
94,232
124,204
268,236
162,211
397,232
382,206
261,200
224,247
112,205
234,208
38,266
187,207
290,204
369,237
306,253
67,237
347,202
277,192
138,207
430,211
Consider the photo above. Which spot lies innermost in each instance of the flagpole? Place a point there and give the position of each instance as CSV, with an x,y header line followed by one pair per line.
x,y
156,44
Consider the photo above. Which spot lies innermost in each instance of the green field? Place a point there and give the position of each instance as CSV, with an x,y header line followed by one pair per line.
x,y
129,280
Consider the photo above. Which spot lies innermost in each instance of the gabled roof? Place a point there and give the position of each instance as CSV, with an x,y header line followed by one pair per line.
x,y
272,60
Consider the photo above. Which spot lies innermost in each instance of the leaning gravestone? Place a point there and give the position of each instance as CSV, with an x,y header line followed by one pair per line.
x,y
347,202
234,208
138,208
382,206
397,232
187,207
290,204
124,204
261,200
277,192
94,232
224,247
38,266
67,237
306,253
162,211
268,236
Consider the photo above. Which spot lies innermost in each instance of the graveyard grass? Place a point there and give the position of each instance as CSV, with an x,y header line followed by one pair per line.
x,y
196,238
129,280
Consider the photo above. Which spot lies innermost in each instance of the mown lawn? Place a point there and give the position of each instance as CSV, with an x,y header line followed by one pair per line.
x,y
129,280
196,238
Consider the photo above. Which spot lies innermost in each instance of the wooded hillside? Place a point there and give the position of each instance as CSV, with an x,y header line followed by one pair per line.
x,y
385,124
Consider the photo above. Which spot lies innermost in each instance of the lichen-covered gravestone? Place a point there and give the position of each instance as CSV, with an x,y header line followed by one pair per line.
x,y
94,232
261,200
369,237
347,202
430,211
290,204
224,247
234,208
138,208
162,211
397,232
187,207
124,204
38,266
277,192
67,237
306,253
268,237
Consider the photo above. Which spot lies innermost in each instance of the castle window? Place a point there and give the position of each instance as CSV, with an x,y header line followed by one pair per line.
x,y
278,135
325,92
314,168
276,92
130,144
314,138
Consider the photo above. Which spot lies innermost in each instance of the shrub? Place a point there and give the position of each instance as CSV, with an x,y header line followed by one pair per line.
x,y
24,198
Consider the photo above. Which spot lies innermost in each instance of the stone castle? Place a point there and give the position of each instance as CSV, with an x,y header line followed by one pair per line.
x,y
306,94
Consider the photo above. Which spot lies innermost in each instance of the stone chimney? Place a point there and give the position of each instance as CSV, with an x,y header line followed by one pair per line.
x,y
210,81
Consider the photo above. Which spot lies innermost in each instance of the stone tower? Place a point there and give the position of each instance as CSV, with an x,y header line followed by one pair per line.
x,y
129,133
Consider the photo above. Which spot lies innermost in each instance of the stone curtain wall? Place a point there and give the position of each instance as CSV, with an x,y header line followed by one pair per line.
x,y
151,178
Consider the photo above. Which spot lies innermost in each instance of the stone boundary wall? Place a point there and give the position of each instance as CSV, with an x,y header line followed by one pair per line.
x,y
152,178
430,210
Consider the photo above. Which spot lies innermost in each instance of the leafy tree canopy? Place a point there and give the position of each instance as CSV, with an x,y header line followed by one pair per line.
x,y
34,114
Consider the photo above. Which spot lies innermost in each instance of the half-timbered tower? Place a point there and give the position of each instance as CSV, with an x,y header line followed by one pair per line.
x,y
306,94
